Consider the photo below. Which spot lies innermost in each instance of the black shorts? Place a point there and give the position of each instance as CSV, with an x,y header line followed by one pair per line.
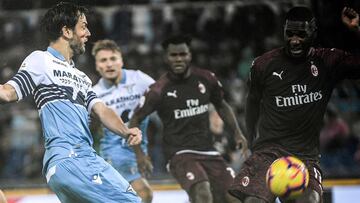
x,y
251,180
190,168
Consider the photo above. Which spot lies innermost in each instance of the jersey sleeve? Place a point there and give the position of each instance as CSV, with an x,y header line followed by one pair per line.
x,y
145,79
217,92
29,75
343,65
91,99
150,101
253,99
254,79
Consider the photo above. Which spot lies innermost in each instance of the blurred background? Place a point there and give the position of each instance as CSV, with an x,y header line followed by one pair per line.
x,y
227,36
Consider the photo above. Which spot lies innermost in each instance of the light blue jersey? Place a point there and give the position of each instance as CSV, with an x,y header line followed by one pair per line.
x,y
64,98
123,99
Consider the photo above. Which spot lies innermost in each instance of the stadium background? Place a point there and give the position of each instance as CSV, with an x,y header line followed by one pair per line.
x,y
228,35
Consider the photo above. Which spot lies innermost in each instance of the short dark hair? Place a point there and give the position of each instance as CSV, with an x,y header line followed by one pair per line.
x,y
299,13
63,14
176,39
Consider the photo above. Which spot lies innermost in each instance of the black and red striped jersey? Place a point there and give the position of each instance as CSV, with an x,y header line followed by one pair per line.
x,y
183,107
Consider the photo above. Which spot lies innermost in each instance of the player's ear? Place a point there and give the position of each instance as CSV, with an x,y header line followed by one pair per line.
x,y
166,58
314,28
67,32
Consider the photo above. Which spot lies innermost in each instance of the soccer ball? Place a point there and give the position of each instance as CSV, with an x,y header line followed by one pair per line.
x,y
287,177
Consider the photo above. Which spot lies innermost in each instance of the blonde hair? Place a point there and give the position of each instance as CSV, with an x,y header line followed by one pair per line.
x,y
105,44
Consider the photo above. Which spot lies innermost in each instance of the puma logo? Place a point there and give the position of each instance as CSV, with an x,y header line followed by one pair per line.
x,y
172,94
278,74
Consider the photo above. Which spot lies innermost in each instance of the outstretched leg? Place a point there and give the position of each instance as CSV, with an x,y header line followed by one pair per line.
x,y
142,188
201,193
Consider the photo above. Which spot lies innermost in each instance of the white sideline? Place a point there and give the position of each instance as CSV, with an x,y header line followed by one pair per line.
x,y
173,196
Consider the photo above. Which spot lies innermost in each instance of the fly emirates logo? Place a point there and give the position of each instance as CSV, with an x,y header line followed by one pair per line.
x,y
301,96
193,109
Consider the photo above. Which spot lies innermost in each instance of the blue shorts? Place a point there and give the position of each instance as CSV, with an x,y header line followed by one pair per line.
x,y
127,168
89,179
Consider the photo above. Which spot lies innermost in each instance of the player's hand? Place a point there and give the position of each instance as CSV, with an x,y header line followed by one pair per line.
x,y
242,145
350,18
2,93
134,136
144,165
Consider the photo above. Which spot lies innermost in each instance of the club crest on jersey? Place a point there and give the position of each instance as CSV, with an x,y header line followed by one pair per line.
x,y
129,88
190,176
245,181
202,88
314,70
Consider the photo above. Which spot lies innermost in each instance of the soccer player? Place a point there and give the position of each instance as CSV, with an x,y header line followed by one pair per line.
x,y
289,89
181,98
121,89
64,98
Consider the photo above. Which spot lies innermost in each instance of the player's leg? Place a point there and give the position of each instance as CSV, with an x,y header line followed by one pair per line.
x,y
309,196
254,200
220,176
2,197
250,184
142,188
192,177
127,167
201,192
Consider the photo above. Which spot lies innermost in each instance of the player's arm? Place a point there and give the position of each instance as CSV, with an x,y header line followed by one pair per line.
x,y
251,115
227,115
146,107
252,106
7,94
143,161
350,18
95,126
2,197
114,123
347,64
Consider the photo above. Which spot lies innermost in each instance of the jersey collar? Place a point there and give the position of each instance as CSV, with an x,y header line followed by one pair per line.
x,y
55,53
106,84
123,77
58,55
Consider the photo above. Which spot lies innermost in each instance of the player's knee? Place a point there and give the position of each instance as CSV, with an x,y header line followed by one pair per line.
x,y
147,195
201,191
144,191
310,196
252,199
231,199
